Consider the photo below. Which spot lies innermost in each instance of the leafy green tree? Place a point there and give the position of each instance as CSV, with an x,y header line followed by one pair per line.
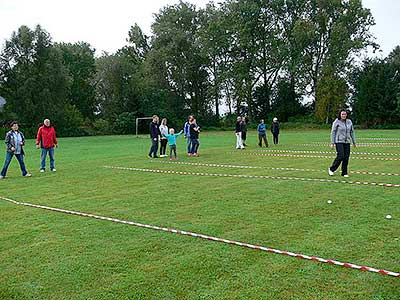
x,y
376,91
117,85
332,93
177,58
80,62
34,80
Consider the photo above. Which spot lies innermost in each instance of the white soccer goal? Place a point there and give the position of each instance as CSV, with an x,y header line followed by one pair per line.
x,y
137,123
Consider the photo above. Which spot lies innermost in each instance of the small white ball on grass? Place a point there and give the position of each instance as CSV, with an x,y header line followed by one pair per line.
x,y
330,201
388,217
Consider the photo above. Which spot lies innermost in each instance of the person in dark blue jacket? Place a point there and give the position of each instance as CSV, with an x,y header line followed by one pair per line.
x,y
155,136
262,133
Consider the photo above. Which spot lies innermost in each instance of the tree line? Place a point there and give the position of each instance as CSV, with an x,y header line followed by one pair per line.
x,y
285,58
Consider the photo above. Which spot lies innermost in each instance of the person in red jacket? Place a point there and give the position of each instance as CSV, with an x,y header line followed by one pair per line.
x,y
47,140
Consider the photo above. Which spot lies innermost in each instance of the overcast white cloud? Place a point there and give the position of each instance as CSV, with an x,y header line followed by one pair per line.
x,y
105,24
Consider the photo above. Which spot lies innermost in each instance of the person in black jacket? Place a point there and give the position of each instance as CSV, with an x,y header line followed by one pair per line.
x,y
275,130
155,136
238,133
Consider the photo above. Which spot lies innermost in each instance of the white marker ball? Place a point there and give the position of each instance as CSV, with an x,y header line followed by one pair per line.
x,y
329,201
388,217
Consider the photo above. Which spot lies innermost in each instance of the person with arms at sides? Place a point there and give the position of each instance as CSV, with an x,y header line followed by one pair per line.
x,y
154,136
47,140
15,141
262,134
342,134
194,137
186,134
275,130
238,133
164,140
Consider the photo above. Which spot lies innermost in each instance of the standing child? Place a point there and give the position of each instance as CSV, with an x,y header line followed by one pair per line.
x,y
172,142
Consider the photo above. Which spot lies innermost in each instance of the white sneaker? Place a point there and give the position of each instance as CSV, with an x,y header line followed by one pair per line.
x,y
2,177
330,172
42,170
28,175
347,176
54,170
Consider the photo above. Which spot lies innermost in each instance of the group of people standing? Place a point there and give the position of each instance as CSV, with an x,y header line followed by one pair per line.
x,y
15,141
161,134
342,134
241,132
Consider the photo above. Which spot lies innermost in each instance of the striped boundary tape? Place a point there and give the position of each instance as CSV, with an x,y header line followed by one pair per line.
x,y
377,145
252,176
319,156
378,139
330,152
269,168
210,238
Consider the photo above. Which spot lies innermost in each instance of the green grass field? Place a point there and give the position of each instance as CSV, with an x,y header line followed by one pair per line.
x,y
49,255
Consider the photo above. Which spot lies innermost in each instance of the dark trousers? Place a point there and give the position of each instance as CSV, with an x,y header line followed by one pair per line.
x,y
276,135
244,137
154,147
262,137
343,155
172,148
163,146
195,145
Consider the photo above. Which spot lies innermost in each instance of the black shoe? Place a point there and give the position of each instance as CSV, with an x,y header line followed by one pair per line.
x,y
155,156
149,156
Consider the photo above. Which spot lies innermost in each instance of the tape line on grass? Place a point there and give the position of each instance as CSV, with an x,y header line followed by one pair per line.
x,y
253,176
210,238
377,145
269,168
318,156
330,152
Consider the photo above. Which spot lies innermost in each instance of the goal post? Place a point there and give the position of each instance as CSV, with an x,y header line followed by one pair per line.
x,y
137,123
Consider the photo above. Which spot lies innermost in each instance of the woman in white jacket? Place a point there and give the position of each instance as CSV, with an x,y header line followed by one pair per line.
x,y
164,140
341,135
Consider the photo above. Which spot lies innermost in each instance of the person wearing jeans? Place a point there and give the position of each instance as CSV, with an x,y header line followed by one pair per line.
x,y
186,134
341,135
47,140
154,136
194,138
15,141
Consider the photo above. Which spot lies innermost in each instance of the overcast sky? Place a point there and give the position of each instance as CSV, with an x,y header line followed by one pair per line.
x,y
105,24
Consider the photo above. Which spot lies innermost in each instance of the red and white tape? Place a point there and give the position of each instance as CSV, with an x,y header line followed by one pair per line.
x,y
379,139
330,152
210,238
376,145
252,176
268,168
318,156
